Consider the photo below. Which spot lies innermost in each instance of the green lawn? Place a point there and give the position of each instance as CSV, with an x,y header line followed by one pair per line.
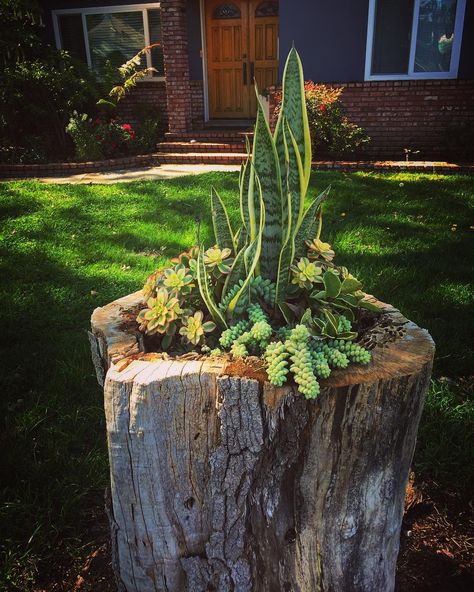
x,y
67,249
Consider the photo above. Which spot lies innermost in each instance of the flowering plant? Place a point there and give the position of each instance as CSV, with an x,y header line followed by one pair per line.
x,y
332,134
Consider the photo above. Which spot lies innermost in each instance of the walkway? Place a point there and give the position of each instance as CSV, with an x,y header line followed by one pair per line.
x,y
157,173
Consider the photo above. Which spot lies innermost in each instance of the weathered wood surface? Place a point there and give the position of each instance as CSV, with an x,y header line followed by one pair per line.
x,y
222,483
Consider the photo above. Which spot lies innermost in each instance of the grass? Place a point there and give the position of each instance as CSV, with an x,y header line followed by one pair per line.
x,y
67,249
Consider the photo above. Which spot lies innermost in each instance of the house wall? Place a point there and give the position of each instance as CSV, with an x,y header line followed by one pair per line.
x,y
330,37
424,115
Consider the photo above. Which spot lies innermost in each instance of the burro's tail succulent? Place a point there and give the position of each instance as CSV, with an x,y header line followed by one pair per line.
x,y
273,186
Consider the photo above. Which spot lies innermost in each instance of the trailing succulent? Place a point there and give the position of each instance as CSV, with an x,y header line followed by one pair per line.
x,y
271,289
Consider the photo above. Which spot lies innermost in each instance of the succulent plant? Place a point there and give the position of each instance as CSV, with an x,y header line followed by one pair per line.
x,y
193,328
271,287
178,279
317,249
161,312
305,273
150,285
218,258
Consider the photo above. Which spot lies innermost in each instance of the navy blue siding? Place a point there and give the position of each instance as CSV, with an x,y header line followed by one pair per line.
x,y
330,37
466,59
194,39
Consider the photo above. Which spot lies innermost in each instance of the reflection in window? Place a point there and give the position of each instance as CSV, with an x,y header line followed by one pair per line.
x,y
434,40
226,11
114,38
267,9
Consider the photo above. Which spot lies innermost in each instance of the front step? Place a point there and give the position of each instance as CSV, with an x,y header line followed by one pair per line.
x,y
200,157
198,146
210,135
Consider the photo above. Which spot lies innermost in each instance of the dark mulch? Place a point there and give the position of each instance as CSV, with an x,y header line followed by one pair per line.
x,y
436,555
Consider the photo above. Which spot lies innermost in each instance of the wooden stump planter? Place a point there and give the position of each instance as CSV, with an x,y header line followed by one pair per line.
x,y
222,482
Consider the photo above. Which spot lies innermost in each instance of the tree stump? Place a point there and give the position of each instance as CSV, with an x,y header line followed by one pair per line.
x,y
221,482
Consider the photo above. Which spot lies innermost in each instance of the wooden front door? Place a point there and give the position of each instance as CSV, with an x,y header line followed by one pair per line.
x,y
242,47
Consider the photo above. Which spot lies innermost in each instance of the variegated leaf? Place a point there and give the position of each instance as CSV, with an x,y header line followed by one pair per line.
x,y
267,168
221,223
205,291
293,108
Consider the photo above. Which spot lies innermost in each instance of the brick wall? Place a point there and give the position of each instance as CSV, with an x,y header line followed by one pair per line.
x,y
175,53
197,102
414,114
149,93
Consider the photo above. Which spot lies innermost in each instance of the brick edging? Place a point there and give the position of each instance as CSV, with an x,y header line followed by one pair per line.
x,y
391,166
58,168
18,171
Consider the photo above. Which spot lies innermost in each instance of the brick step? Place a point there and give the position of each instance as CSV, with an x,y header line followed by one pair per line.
x,y
200,157
229,136
198,146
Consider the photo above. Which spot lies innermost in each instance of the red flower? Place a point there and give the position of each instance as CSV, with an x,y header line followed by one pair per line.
x,y
127,127
322,108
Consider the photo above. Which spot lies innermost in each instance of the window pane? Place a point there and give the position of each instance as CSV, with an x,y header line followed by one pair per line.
x,y
392,36
154,23
115,37
72,35
434,40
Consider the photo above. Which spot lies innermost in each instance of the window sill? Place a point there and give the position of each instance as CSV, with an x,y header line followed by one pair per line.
x,y
421,76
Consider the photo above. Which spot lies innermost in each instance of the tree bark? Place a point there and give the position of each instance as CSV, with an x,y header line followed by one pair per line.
x,y
225,483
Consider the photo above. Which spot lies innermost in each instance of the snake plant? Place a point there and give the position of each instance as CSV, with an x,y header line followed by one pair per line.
x,y
273,186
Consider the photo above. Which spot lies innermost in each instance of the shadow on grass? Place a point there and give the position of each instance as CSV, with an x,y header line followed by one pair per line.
x,y
61,243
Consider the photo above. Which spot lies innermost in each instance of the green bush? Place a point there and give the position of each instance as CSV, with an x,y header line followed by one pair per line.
x,y
97,138
332,134
36,101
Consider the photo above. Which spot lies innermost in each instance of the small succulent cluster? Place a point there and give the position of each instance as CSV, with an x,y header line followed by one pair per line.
x,y
298,350
270,289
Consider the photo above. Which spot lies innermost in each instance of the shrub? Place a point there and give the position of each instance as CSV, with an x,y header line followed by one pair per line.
x,y
332,134
36,101
96,138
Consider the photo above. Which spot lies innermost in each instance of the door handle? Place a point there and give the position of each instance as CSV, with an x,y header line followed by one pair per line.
x,y
244,73
252,72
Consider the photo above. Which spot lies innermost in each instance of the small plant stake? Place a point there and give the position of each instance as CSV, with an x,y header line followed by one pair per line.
x,y
261,410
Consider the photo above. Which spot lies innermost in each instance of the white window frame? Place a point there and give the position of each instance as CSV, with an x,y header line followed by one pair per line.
x,y
412,75
83,12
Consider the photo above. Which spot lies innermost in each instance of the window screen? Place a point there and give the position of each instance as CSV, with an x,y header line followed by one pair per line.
x,y
72,35
114,37
392,36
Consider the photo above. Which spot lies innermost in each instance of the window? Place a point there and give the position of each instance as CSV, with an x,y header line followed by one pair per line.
x,y
111,34
413,39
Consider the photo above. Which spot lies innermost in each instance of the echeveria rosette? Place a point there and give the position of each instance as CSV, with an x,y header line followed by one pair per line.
x,y
305,273
178,279
162,311
319,249
193,328
218,259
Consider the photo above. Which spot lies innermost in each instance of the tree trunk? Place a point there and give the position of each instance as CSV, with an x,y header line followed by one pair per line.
x,y
222,482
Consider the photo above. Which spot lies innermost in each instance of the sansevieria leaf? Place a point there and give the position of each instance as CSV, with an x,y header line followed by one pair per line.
x,y
221,223
309,224
293,108
294,189
267,168
205,291
254,249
